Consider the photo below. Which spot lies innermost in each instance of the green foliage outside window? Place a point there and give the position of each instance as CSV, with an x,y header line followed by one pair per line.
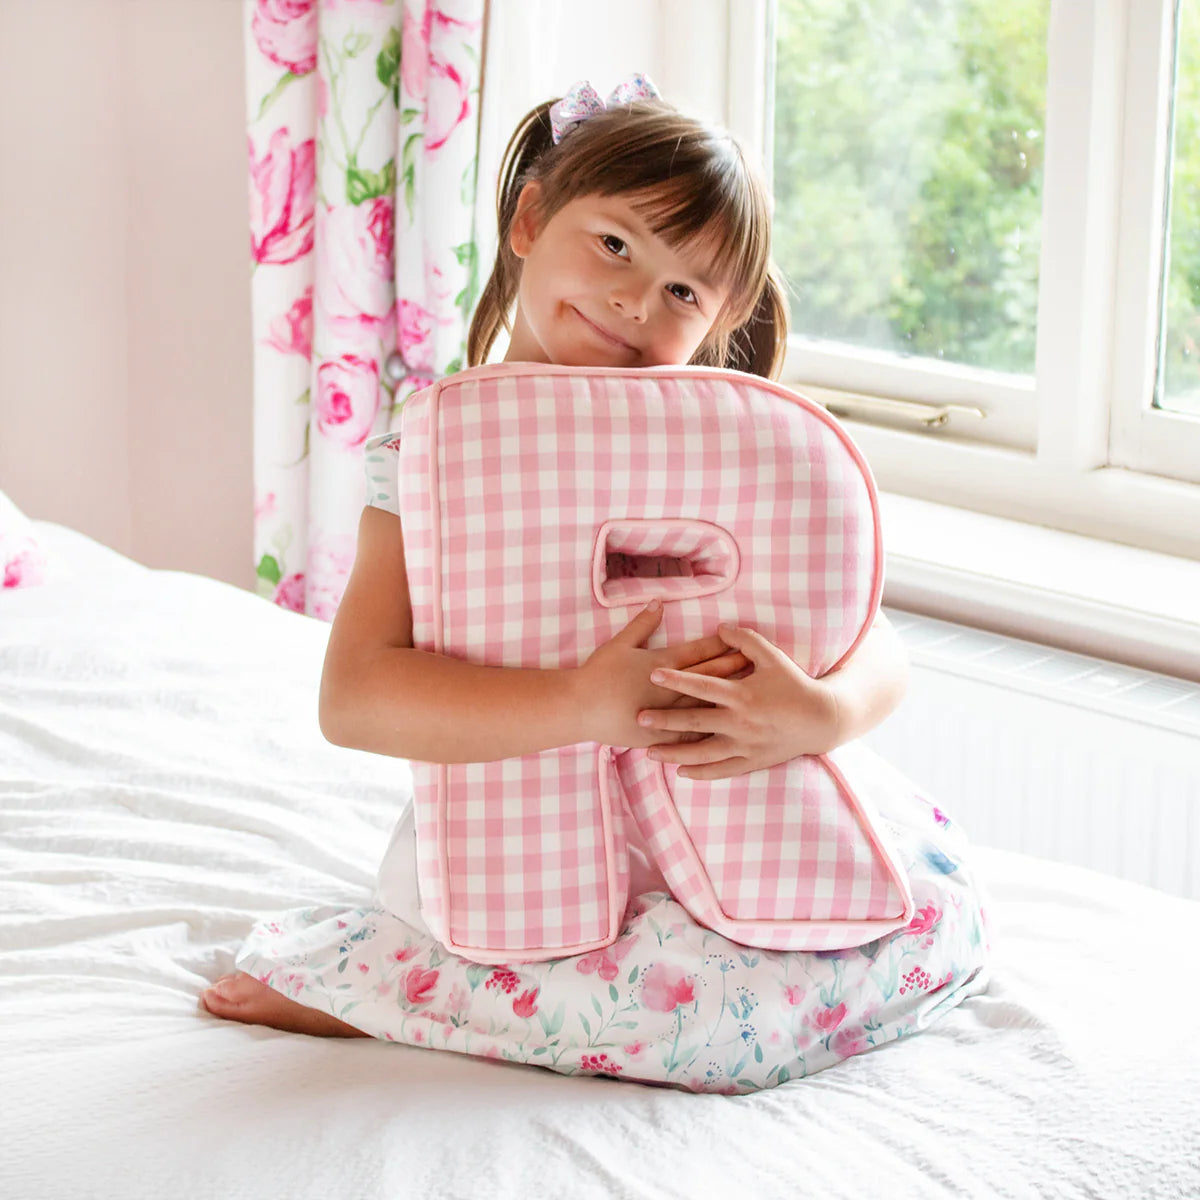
x,y
908,180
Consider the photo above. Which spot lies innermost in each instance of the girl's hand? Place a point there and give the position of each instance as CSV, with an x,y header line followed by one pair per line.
x,y
771,715
614,683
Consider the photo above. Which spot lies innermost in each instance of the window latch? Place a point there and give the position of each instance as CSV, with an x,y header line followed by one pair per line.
x,y
931,416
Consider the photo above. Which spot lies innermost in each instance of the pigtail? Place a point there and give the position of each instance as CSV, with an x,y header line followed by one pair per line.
x,y
533,137
759,344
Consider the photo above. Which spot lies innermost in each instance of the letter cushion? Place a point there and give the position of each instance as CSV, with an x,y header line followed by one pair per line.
x,y
542,507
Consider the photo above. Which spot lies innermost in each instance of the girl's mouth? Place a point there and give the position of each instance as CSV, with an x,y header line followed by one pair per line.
x,y
601,332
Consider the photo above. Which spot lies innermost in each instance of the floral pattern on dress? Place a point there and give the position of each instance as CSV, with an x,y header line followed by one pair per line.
x,y
362,138
669,1002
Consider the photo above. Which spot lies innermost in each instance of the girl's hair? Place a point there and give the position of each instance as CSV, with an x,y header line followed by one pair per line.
x,y
696,187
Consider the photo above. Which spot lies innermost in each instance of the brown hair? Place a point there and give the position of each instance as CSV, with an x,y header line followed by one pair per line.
x,y
696,185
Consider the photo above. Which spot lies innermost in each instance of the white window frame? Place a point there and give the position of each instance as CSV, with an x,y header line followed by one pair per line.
x,y
1079,447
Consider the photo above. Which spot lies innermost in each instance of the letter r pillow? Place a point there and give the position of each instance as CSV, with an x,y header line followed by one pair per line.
x,y
541,507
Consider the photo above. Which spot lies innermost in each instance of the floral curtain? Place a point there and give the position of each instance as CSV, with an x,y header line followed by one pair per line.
x,y
363,139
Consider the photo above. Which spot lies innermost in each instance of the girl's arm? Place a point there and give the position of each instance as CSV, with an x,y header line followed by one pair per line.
x,y
378,693
778,712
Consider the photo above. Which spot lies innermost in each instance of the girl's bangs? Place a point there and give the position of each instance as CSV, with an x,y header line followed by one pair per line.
x,y
714,215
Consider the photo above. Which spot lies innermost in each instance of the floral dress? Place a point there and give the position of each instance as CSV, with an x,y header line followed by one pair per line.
x,y
669,1002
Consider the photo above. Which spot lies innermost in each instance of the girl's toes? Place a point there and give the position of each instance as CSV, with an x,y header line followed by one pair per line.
x,y
228,995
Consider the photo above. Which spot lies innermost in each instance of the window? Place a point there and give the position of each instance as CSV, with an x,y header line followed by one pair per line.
x,y
989,216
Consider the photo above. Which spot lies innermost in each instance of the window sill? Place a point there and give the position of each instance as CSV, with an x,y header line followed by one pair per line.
x,y
1094,597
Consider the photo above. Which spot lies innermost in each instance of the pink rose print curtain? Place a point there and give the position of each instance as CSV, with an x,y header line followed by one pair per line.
x,y
363,132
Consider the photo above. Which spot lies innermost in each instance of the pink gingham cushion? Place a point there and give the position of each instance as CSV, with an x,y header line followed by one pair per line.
x,y
540,506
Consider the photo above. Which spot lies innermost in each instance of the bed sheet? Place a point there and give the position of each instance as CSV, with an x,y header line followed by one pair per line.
x,y
163,782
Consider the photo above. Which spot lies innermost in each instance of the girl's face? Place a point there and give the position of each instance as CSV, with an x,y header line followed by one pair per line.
x,y
600,289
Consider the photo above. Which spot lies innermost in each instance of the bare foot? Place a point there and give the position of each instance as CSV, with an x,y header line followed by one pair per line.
x,y
241,997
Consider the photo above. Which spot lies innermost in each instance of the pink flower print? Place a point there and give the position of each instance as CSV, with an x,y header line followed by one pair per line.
x,y
290,592
447,104
925,921
829,1019
525,1005
355,279
404,953
265,506
286,32
847,1042
459,996
502,979
665,988
601,1063
606,962
794,995
635,1049
330,557
24,562
414,326
418,983
347,399
283,192
291,332
418,1036
414,49
363,968
429,77
916,980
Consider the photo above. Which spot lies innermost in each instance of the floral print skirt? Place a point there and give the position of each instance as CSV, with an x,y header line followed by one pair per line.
x,y
669,1002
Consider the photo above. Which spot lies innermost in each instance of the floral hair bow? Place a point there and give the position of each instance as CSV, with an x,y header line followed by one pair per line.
x,y
583,101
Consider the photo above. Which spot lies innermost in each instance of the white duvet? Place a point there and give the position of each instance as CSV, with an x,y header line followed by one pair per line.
x,y
163,782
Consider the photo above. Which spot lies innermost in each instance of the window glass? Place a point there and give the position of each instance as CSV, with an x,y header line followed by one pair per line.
x,y
1179,376
908,174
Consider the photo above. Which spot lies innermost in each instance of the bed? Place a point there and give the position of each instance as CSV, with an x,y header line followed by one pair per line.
x,y
163,783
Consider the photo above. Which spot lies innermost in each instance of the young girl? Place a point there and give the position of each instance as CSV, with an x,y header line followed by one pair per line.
x,y
629,235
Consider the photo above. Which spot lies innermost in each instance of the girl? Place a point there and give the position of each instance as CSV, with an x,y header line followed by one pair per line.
x,y
629,235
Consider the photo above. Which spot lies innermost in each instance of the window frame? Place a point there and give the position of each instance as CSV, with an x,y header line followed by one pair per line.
x,y
1079,446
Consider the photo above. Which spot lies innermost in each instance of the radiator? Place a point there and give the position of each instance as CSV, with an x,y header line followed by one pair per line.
x,y
1051,753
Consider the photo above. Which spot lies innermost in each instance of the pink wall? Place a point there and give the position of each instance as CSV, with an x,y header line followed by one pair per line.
x,y
124,306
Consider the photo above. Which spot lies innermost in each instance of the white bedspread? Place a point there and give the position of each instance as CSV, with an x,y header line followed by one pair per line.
x,y
163,782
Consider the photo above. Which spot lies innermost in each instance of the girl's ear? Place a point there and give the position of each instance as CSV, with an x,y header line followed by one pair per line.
x,y
525,220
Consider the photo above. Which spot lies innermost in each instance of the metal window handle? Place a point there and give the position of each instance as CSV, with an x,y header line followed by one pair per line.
x,y
845,404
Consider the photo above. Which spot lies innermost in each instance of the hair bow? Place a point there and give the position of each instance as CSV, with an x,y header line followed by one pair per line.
x,y
583,101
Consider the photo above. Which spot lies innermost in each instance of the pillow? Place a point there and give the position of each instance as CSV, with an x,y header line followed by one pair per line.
x,y
23,560
541,507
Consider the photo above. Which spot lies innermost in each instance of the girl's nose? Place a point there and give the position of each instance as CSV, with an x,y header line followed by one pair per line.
x,y
630,300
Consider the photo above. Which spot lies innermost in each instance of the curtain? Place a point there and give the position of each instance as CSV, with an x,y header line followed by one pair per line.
x,y
363,137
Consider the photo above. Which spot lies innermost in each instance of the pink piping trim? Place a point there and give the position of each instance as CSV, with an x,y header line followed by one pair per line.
x,y
720,582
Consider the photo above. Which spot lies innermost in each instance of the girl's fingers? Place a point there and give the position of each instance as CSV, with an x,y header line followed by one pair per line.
x,y
750,642
642,625
723,666
725,769
694,684
710,750
690,654
698,719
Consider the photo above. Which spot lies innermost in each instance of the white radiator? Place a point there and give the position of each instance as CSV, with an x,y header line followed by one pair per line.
x,y
1052,753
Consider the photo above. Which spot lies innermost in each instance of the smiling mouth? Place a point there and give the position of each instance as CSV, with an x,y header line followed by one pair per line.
x,y
603,333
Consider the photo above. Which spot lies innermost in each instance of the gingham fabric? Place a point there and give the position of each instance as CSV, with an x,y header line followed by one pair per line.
x,y
541,506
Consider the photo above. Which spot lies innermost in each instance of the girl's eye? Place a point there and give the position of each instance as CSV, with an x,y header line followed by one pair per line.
x,y
681,291
614,245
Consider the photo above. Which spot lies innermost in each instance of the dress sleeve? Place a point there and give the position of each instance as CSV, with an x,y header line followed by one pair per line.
x,y
380,457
